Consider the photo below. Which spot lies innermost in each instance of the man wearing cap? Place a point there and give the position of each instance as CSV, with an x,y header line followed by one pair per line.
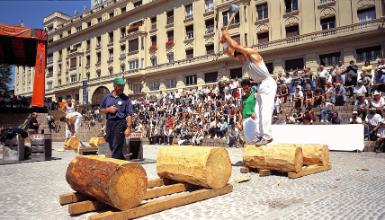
x,y
355,119
118,109
377,102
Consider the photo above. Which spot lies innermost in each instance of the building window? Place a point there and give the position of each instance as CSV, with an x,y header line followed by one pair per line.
x,y
262,11
59,82
133,45
170,57
170,37
98,41
154,85
73,63
99,20
153,61
122,32
191,80
270,67
89,24
328,23
122,67
209,6
330,58
137,3
189,53
294,64
153,23
236,73
110,37
291,5
210,49
367,14
88,45
98,73
111,15
133,64
170,83
110,71
98,58
189,32
189,10
211,77
110,55
73,78
49,85
137,88
263,37
123,9
170,17
209,26
122,50
226,16
153,41
78,29
88,61
369,53
292,31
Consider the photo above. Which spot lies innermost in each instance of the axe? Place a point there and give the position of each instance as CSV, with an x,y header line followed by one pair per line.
x,y
233,9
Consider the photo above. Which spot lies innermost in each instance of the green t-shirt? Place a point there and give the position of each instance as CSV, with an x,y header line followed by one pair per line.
x,y
248,105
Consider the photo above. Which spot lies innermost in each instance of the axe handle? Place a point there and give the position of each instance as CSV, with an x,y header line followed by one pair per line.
x,y
230,20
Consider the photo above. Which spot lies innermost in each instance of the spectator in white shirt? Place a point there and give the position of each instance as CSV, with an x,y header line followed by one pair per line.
x,y
377,101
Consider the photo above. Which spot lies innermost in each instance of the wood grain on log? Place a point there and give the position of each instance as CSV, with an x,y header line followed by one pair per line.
x,y
119,183
286,159
204,166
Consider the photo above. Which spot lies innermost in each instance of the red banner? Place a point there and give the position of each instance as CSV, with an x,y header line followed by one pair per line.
x,y
38,92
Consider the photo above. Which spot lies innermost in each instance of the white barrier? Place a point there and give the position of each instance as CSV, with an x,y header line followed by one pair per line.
x,y
347,137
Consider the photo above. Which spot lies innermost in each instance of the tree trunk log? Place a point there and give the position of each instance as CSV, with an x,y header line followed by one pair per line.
x,y
312,153
205,166
118,183
286,159
96,141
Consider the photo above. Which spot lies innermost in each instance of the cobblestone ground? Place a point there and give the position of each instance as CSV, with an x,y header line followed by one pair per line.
x,y
353,189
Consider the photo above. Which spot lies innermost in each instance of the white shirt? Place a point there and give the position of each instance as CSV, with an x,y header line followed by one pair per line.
x,y
358,90
381,132
378,104
373,119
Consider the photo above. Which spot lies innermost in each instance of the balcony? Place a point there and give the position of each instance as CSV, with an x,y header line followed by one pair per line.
x,y
170,22
122,55
98,64
98,46
153,48
326,3
72,68
209,11
153,28
188,18
335,33
209,31
169,43
110,59
110,43
49,75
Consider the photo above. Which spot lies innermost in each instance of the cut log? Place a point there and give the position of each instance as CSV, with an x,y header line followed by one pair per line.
x,y
312,153
204,166
286,159
72,143
119,183
96,141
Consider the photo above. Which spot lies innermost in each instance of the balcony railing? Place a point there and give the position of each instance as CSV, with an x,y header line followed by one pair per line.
x,y
326,34
322,2
170,20
209,30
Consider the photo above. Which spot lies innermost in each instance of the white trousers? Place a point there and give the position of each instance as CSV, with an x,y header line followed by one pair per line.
x,y
264,107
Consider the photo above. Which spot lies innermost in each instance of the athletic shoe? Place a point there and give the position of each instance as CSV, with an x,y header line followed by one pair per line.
x,y
263,141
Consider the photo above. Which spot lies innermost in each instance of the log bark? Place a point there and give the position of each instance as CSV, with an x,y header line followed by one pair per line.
x,y
312,153
286,159
204,166
119,183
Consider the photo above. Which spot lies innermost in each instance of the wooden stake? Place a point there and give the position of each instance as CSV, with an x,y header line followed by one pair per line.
x,y
165,190
163,204
71,198
307,170
85,206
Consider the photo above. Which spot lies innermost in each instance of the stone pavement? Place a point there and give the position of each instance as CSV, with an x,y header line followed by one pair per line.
x,y
353,189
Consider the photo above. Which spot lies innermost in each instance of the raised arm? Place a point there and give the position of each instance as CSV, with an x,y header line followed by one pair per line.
x,y
244,50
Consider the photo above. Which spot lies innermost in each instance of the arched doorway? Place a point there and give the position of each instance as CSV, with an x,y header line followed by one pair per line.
x,y
99,94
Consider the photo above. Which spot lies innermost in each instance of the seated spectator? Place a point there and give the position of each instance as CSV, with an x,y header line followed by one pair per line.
x,y
362,105
222,125
380,134
198,136
309,97
339,95
355,119
371,121
298,97
379,76
277,106
323,75
336,119
327,108
351,77
319,96
308,116
377,101
283,93
359,88
367,69
33,125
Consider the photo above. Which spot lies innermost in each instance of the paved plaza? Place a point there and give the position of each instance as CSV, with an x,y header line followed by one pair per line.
x,y
353,189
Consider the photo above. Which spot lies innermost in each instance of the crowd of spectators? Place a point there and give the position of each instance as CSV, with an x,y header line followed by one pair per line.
x,y
8,100
191,115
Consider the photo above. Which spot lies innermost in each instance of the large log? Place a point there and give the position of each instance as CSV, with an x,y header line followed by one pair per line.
x,y
205,166
286,159
312,153
118,183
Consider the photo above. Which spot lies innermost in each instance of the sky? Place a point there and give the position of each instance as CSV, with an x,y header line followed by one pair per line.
x,y
32,12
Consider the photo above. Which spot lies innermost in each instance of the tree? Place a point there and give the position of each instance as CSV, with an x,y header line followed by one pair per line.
x,y
5,76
